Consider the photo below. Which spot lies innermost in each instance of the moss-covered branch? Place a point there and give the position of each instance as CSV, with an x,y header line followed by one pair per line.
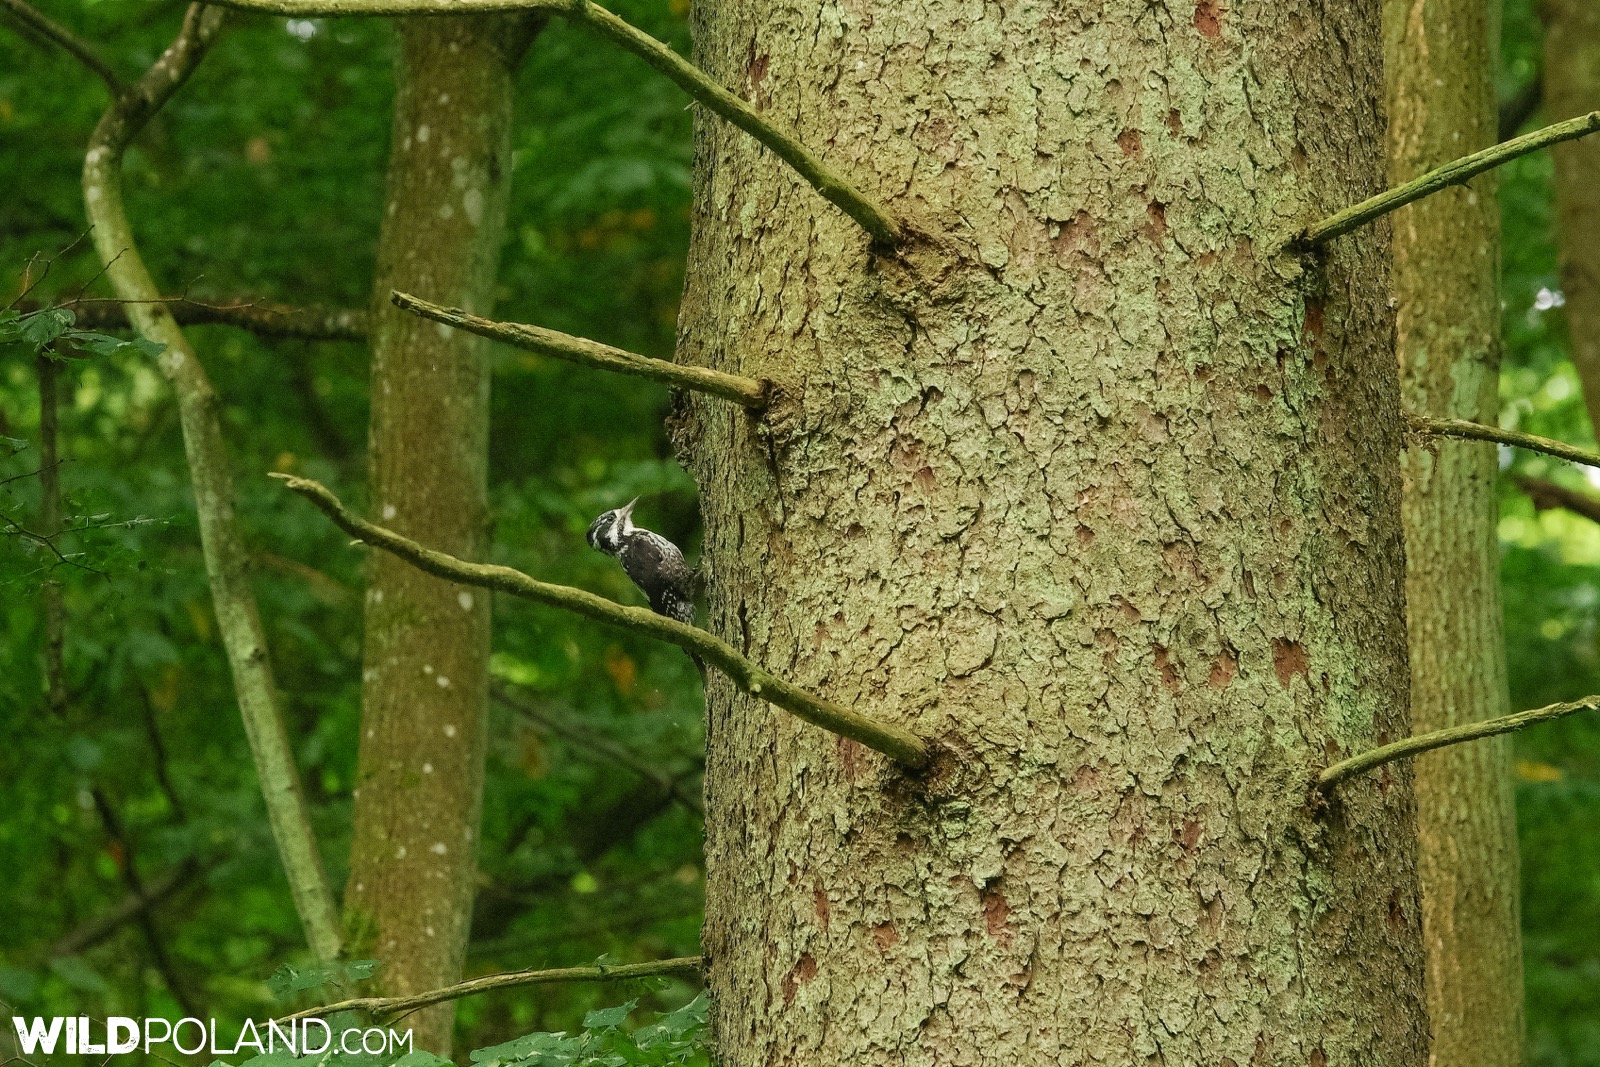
x,y
741,390
895,742
1453,735
221,541
869,215
883,227
388,1007
1477,431
1455,172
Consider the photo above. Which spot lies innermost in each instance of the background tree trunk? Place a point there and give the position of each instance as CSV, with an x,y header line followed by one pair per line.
x,y
1103,493
1571,87
420,776
1446,282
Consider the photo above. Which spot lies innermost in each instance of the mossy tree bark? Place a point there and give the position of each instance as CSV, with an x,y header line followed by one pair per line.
x,y
1095,488
1572,86
1446,283
425,680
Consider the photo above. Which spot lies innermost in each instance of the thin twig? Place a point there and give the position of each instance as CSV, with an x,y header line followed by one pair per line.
x,y
55,612
1453,735
741,390
1456,172
895,742
30,283
871,216
381,1007
1477,431
66,40
62,559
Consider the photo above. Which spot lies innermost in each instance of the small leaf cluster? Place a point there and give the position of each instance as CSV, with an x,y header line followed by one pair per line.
x,y
54,328
676,1039
288,981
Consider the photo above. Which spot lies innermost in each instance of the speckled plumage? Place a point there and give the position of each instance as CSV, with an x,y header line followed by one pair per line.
x,y
653,563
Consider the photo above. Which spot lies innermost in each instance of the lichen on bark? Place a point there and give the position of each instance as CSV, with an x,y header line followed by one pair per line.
x,y
1099,490
419,784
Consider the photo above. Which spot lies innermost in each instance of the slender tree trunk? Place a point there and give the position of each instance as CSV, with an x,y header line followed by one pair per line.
x,y
414,846
1100,490
1571,87
1446,281
222,543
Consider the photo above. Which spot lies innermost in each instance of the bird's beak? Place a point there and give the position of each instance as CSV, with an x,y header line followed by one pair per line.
x,y
627,509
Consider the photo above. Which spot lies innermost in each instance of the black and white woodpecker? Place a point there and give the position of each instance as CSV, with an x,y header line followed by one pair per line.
x,y
654,564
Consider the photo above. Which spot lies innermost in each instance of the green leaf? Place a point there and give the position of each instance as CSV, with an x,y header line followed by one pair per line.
x,y
98,343
44,326
609,1017
421,1058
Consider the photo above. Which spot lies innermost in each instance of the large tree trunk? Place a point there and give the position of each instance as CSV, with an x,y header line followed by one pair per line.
x,y
1103,494
1446,281
425,693
1571,87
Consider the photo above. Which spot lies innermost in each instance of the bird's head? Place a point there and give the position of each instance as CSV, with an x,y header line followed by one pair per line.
x,y
607,531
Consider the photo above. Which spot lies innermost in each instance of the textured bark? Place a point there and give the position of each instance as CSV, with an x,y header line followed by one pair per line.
x,y
1446,283
1572,85
1102,493
425,678
1447,336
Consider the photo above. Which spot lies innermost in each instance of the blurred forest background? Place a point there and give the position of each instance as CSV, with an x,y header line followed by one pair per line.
x,y
264,178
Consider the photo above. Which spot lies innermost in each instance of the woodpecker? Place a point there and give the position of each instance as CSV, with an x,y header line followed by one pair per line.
x,y
654,564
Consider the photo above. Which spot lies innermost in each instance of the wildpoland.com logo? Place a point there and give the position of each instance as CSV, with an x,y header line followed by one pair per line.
x,y
75,1034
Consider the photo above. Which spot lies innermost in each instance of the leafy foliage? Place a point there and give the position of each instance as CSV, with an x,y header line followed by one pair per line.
x,y
54,327
676,1038
263,179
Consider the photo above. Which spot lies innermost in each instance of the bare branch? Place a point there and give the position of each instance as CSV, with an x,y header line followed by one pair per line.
x,y
103,926
1477,431
382,1007
602,746
747,391
1453,735
259,317
1546,495
221,541
50,30
147,925
883,227
893,741
1456,172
